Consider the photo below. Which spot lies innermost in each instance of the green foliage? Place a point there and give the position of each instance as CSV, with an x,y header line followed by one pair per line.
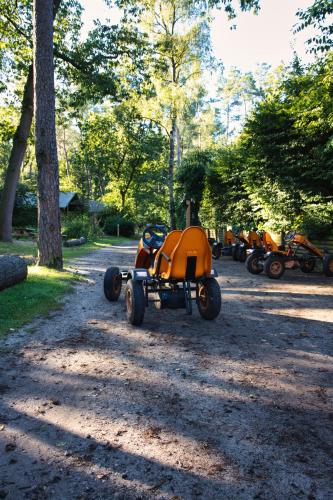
x,y
126,226
319,16
78,225
191,178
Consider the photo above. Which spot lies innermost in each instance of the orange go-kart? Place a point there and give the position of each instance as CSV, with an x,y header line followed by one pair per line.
x,y
256,255
225,248
243,243
172,270
276,261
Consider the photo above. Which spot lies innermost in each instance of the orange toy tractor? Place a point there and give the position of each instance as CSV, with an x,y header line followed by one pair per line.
x,y
168,269
219,249
276,261
256,256
243,243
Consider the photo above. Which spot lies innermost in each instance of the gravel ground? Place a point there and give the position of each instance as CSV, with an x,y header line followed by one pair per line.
x,y
180,408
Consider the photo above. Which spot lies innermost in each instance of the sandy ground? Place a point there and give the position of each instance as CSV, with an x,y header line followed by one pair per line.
x,y
181,408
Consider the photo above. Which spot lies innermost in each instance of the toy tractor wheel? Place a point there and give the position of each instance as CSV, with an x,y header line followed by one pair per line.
x,y
112,284
241,254
308,265
274,267
135,302
209,299
234,251
216,251
254,264
328,265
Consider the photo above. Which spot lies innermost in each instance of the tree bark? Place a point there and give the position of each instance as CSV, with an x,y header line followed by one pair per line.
x,y
13,270
172,173
20,141
49,230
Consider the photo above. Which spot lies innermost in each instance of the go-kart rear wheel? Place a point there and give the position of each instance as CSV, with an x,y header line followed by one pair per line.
x,y
135,302
254,264
112,284
328,265
216,251
308,265
241,254
274,267
234,251
209,299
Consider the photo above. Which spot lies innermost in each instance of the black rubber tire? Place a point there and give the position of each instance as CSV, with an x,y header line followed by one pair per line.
x,y
135,302
254,264
112,284
308,265
274,267
209,299
234,251
241,254
216,251
328,265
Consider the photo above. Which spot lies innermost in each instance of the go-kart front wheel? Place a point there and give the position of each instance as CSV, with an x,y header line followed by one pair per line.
x,y
112,284
135,302
234,251
308,265
241,254
209,299
274,267
254,264
328,265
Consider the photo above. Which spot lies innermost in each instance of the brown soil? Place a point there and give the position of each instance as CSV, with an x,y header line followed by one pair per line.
x,y
180,408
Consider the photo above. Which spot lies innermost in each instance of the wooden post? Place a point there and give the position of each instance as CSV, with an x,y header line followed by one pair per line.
x,y
118,230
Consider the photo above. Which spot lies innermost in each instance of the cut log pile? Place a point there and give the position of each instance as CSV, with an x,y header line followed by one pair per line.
x,y
13,270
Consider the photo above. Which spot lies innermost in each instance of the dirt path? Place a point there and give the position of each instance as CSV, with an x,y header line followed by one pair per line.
x,y
238,408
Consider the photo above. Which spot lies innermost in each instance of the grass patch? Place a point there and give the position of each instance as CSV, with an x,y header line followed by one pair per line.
x,y
41,292
24,248
38,295
28,248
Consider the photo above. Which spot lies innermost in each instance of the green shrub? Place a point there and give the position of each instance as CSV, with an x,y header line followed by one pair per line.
x,y
126,226
75,226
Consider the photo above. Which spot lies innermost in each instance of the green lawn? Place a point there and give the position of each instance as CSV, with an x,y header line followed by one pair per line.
x,y
28,248
41,292
38,294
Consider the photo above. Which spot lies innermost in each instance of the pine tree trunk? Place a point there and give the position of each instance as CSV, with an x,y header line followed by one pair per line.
x,y
20,141
171,173
49,231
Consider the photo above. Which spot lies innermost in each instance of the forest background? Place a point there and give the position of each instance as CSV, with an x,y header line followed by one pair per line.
x,y
148,117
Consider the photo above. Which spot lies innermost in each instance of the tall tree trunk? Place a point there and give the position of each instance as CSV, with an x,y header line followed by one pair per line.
x,y
20,141
16,159
49,231
179,148
171,173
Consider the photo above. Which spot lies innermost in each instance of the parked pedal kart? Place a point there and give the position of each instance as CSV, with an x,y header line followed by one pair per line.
x,y
252,240
256,256
243,243
225,248
168,269
275,262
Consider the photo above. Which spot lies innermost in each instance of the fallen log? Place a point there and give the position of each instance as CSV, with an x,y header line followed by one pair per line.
x,y
75,243
13,270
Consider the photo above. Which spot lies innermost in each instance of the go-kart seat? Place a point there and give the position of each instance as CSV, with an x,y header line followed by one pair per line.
x,y
160,262
190,259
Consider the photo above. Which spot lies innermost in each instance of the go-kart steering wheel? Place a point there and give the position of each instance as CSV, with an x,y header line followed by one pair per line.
x,y
290,236
154,235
